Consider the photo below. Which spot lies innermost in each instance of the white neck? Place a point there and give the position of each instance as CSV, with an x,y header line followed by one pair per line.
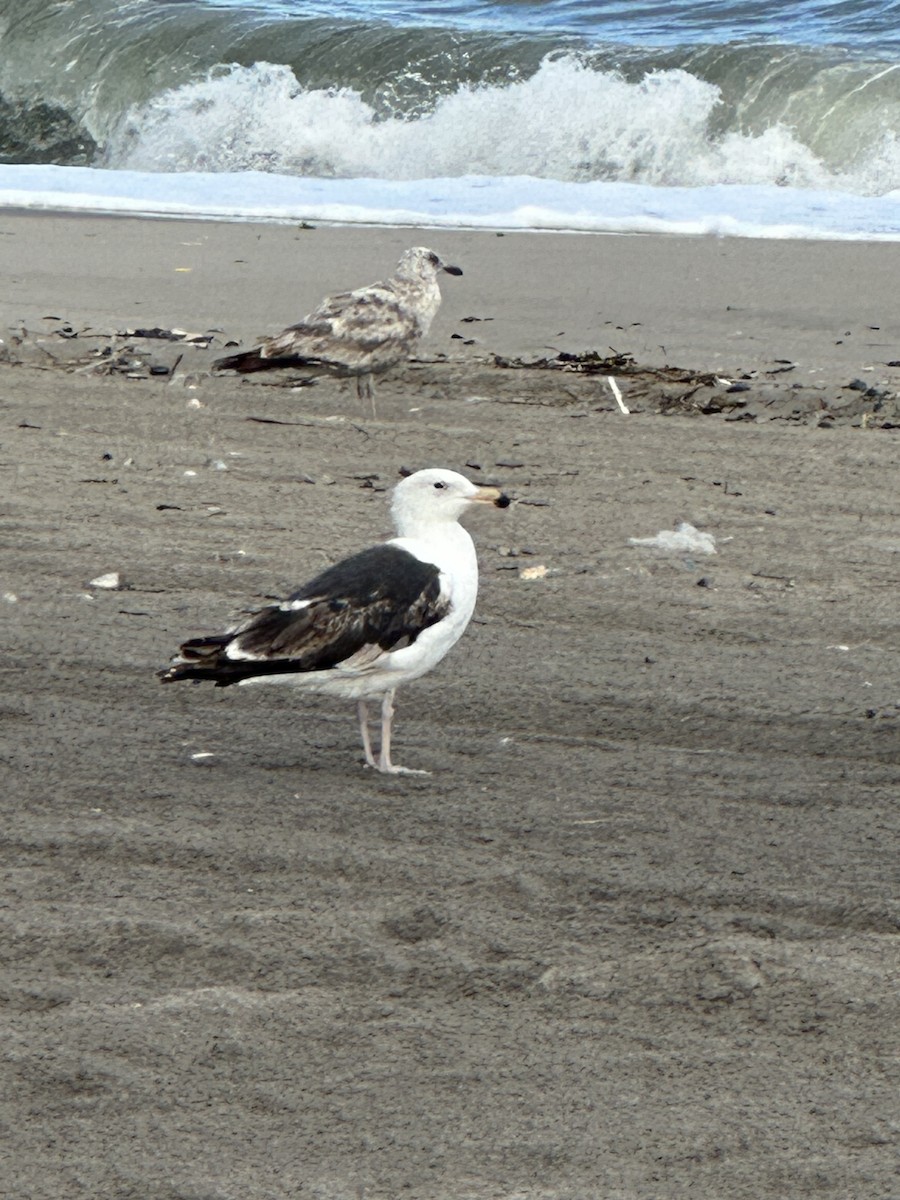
x,y
446,544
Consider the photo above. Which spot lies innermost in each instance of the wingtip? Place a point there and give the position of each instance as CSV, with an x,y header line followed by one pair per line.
x,y
243,362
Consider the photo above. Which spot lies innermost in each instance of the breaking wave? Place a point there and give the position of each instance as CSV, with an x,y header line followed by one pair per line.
x,y
567,121
536,107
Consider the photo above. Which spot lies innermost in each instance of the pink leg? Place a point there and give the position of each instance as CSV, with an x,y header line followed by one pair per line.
x,y
365,389
384,759
362,710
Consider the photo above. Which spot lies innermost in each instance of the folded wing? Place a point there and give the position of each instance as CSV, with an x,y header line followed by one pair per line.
x,y
346,618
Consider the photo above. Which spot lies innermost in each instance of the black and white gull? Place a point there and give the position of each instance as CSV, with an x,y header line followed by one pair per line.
x,y
360,333
371,622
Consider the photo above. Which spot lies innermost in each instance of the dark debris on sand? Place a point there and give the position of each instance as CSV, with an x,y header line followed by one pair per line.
x,y
745,396
769,394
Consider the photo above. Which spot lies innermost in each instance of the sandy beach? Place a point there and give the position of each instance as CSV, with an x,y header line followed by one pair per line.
x,y
635,937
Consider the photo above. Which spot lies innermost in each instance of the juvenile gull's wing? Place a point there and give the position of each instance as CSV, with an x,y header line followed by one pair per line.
x,y
346,330
351,614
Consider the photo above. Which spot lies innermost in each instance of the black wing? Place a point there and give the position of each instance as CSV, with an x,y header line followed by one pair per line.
x,y
381,598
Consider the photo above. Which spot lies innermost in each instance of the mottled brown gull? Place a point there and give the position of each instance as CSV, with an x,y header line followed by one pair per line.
x,y
367,624
360,333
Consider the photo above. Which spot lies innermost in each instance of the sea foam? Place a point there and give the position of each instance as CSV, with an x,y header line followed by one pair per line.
x,y
468,202
568,122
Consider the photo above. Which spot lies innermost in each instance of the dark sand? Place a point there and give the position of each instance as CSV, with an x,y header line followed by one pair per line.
x,y
636,937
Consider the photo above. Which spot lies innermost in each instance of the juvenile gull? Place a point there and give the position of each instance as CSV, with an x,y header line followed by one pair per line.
x,y
359,333
367,624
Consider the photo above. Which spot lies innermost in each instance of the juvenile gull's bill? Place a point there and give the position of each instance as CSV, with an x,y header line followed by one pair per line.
x,y
360,333
367,624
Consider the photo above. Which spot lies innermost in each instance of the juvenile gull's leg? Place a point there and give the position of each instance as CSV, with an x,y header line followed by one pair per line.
x,y
384,759
365,389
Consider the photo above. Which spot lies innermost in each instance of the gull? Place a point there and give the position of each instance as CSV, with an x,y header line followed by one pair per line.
x,y
367,624
360,333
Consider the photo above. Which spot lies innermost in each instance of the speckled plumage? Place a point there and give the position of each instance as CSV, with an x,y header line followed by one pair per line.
x,y
360,333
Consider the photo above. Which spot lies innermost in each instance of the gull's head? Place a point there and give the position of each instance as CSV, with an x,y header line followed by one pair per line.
x,y
437,496
420,263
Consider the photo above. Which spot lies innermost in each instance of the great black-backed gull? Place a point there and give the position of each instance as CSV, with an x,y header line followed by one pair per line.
x,y
360,333
367,624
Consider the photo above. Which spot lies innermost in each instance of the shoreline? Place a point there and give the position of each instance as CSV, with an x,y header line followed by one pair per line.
x,y
481,203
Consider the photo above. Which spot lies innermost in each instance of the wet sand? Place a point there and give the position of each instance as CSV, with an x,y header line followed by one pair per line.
x,y
636,935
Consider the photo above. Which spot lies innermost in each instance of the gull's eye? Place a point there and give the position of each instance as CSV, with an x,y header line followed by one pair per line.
x,y
440,485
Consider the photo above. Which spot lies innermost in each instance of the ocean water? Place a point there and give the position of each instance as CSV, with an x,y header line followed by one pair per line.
x,y
716,116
